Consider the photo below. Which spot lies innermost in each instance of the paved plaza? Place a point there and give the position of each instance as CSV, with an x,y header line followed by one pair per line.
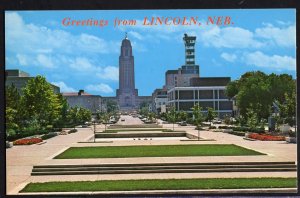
x,y
21,159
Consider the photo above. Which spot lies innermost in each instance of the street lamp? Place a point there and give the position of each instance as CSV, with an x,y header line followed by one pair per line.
x,y
94,130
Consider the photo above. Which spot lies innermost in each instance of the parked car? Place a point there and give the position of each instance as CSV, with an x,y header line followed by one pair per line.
x,y
183,123
217,121
122,120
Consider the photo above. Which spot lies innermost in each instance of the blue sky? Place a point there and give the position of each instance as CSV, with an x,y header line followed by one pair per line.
x,y
87,57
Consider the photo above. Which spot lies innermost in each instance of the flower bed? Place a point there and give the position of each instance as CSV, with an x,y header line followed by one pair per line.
x,y
265,137
28,141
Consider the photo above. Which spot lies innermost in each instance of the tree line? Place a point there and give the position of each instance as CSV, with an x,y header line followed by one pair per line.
x,y
258,95
39,110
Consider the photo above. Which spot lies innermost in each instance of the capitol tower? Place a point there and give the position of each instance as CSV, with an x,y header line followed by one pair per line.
x,y
127,95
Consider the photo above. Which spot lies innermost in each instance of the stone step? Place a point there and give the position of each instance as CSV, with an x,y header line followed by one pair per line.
x,y
163,168
165,164
159,167
137,135
164,171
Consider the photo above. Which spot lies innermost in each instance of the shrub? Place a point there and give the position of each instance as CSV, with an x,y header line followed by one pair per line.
x,y
292,134
199,128
248,129
27,141
47,136
227,120
265,137
225,127
238,133
257,130
73,131
10,132
190,121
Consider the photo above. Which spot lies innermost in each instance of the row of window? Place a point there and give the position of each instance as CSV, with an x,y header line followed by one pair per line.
x,y
217,105
197,94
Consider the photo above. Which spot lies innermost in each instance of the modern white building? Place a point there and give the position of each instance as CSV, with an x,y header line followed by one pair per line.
x,y
208,92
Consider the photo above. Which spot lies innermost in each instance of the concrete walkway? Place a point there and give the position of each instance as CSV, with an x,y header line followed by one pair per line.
x,y
20,159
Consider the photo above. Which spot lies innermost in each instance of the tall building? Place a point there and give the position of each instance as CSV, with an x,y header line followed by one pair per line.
x,y
189,42
181,77
127,93
184,87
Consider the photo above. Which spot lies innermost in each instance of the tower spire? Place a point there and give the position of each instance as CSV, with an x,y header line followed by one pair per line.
x,y
125,35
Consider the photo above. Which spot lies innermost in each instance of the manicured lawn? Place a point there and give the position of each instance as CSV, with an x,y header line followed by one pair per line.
x,y
161,184
156,151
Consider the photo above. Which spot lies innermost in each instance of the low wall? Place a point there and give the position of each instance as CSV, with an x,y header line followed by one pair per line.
x,y
137,135
191,136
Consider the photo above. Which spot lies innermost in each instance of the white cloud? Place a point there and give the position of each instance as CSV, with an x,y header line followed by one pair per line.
x,y
23,60
87,66
45,61
276,62
63,87
136,35
24,38
229,57
137,46
220,37
285,36
82,64
229,37
92,43
109,73
103,88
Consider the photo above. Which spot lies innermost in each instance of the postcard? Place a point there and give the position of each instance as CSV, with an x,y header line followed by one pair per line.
x,y
150,102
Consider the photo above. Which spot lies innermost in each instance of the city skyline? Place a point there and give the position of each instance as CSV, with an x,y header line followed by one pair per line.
x,y
86,57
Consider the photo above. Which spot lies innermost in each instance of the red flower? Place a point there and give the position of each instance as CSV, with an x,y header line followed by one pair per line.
x,y
265,137
27,141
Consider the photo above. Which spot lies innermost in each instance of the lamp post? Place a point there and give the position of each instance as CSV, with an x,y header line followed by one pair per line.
x,y
94,130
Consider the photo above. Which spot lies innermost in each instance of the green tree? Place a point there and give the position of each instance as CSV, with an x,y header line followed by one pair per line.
x,y
84,115
105,118
211,114
63,115
42,104
151,116
171,115
288,108
232,88
163,116
144,111
182,116
198,117
257,91
252,120
73,115
12,111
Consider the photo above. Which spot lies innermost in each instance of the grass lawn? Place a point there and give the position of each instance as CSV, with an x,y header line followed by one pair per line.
x,y
161,184
156,151
137,130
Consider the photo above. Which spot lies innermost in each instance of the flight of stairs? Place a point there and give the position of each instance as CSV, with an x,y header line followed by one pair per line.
x,y
163,168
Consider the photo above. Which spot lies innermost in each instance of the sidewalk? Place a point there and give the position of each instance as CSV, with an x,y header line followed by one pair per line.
x,y
20,159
